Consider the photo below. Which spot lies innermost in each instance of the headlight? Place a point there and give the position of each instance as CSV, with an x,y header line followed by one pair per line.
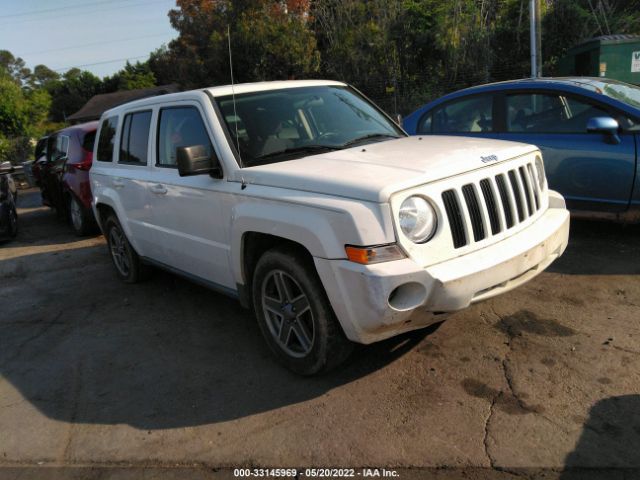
x,y
540,172
418,220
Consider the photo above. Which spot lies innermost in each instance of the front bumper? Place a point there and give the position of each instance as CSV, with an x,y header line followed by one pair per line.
x,y
374,302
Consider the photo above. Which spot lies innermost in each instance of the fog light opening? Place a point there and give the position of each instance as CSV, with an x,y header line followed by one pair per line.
x,y
407,296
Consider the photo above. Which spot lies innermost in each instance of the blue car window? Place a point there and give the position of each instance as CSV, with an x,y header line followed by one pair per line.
x,y
424,125
549,113
466,115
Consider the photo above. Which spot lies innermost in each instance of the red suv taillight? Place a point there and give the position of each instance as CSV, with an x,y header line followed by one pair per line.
x,y
85,163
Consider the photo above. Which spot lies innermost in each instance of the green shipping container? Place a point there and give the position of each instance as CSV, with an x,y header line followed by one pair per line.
x,y
611,56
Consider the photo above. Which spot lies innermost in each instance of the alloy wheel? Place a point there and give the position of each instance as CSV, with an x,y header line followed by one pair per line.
x,y
118,247
76,214
288,313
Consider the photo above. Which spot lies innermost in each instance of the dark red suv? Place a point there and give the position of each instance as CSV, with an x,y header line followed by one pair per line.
x,y
64,176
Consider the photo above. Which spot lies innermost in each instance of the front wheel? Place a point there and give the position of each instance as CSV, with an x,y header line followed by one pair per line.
x,y
295,316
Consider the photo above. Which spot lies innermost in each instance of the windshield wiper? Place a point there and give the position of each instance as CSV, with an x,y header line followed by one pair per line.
x,y
367,137
295,150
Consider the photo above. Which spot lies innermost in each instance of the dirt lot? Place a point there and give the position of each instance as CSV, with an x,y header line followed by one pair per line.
x,y
96,373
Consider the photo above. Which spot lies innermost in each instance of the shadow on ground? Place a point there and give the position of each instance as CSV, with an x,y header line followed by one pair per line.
x,y
609,446
84,348
163,354
600,248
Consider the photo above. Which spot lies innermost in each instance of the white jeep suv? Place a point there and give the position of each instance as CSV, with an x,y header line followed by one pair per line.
x,y
310,205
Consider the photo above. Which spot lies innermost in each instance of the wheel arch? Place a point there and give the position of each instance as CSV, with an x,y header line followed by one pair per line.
x,y
253,245
107,205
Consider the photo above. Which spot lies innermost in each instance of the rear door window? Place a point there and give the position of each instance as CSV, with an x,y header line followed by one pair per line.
x,y
107,139
59,147
134,140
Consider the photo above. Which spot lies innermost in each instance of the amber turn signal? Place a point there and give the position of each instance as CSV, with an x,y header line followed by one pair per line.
x,y
375,254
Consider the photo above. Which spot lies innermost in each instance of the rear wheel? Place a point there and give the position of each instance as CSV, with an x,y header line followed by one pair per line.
x,y
127,262
295,316
81,219
13,222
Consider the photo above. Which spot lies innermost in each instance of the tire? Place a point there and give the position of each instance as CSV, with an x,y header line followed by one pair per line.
x,y
126,261
13,222
81,220
295,316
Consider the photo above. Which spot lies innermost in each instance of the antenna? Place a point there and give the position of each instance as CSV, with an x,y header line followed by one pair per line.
x,y
233,95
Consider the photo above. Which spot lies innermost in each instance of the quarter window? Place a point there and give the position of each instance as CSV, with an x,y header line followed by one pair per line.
x,y
134,141
549,113
106,139
467,115
180,127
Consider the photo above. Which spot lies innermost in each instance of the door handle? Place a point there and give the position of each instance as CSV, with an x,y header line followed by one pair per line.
x,y
117,183
159,189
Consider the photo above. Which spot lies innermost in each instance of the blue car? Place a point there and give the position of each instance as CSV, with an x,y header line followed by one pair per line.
x,y
588,130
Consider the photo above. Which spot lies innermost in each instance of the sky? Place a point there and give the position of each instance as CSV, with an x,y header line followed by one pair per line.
x,y
94,35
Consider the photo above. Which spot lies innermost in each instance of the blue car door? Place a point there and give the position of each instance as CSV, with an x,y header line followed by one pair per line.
x,y
591,170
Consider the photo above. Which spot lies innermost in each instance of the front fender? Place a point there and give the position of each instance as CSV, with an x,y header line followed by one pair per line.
x,y
322,231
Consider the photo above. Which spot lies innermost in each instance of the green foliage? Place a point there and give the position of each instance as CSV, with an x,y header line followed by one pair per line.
x,y
270,40
5,148
23,114
14,67
43,77
71,92
278,42
131,77
14,109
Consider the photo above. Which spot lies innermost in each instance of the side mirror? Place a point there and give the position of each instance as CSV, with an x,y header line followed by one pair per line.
x,y
196,160
6,167
605,125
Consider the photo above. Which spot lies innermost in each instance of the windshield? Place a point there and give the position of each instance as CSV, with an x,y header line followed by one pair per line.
x,y
285,124
624,92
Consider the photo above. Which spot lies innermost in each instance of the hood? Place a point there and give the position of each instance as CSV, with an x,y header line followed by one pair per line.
x,y
373,172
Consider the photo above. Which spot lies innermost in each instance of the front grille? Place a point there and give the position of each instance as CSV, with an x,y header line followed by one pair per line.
x,y
493,204
513,180
456,220
474,211
507,205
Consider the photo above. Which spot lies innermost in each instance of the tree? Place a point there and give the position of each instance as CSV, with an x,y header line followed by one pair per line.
x,y
42,77
270,40
162,66
14,67
131,77
23,114
71,92
14,112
